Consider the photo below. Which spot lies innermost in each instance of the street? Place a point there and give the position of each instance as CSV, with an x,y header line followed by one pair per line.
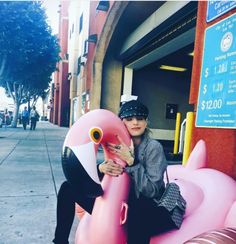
x,y
30,176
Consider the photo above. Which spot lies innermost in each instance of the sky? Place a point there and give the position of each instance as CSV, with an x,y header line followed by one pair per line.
x,y
51,7
4,100
52,13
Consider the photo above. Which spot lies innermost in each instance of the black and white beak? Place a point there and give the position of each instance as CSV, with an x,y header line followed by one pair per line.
x,y
80,169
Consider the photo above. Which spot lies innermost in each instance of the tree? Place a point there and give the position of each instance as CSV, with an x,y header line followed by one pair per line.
x,y
29,52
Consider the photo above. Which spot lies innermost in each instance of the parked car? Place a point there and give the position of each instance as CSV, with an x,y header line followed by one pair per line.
x,y
0,122
6,118
1,119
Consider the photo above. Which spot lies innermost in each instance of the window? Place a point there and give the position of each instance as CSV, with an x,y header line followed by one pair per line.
x,y
103,6
85,52
78,65
81,23
66,56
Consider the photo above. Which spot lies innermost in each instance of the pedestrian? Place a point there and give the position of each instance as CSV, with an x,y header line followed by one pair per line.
x,y
34,116
25,117
146,165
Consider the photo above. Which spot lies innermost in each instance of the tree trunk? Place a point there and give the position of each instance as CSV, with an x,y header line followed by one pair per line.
x,y
29,108
17,101
15,114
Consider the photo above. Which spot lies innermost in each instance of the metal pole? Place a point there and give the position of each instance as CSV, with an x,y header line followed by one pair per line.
x,y
181,139
177,131
188,137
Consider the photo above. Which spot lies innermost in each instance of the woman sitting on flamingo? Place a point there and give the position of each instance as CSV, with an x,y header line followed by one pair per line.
x,y
145,163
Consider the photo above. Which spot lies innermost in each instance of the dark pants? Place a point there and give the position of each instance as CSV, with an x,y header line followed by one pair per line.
x,y
33,123
66,199
144,219
25,122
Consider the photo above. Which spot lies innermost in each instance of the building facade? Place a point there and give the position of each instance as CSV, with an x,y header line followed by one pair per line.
x,y
60,103
77,51
131,48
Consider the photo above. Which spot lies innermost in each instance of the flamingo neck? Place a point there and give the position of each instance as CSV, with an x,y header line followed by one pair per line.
x,y
118,185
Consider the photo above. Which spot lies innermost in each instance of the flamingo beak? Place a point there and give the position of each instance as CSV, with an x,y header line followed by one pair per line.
x,y
80,168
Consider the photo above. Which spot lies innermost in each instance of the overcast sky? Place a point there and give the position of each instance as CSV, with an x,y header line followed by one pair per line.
x,y
52,13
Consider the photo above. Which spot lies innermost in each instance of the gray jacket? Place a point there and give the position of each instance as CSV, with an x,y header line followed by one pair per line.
x,y
148,169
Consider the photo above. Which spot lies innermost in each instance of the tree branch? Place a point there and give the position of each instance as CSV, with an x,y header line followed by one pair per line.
x,y
3,64
10,91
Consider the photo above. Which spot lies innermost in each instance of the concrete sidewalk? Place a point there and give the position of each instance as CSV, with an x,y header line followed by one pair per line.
x,y
30,176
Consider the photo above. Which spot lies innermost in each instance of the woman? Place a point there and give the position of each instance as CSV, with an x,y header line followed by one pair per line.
x,y
145,164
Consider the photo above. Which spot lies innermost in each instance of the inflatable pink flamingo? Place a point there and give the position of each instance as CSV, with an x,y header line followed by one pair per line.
x,y
110,210
210,194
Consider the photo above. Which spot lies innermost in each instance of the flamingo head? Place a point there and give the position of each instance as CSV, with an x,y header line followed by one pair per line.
x,y
81,145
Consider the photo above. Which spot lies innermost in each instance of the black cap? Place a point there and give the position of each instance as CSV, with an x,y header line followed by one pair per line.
x,y
133,108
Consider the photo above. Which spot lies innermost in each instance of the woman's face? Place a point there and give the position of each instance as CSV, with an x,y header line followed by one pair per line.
x,y
135,125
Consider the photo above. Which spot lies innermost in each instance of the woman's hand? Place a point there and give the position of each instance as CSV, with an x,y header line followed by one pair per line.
x,y
122,151
110,168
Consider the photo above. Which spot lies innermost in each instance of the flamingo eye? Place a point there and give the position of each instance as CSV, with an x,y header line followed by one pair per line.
x,y
96,134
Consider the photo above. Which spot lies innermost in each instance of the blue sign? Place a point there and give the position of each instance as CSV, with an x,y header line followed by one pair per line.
x,y
217,8
217,92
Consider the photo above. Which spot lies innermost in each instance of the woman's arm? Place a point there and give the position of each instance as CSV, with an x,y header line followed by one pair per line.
x,y
148,177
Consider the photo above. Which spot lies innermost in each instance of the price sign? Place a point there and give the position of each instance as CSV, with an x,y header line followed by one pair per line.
x,y
217,92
